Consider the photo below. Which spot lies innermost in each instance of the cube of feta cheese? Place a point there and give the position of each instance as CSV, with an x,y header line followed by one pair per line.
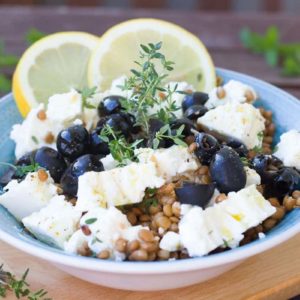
x,y
55,223
65,108
252,177
170,242
28,196
247,206
170,162
288,149
31,134
243,122
77,243
235,92
195,235
116,187
202,231
105,226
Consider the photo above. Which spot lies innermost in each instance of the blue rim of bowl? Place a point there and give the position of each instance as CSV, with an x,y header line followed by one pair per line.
x,y
162,267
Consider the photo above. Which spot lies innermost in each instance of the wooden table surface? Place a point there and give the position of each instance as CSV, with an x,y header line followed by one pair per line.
x,y
272,275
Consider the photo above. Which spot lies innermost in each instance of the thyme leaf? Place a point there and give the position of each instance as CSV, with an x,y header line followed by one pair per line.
x,y
19,287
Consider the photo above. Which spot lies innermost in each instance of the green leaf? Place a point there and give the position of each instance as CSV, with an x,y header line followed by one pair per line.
x,y
180,142
145,48
90,221
158,46
5,84
33,35
155,143
164,129
34,138
271,57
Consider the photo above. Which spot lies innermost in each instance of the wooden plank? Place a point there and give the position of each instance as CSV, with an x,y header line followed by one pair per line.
x,y
83,2
148,3
272,5
215,5
272,275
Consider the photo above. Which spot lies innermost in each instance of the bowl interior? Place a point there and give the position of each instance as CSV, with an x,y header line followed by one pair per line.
x,y
286,111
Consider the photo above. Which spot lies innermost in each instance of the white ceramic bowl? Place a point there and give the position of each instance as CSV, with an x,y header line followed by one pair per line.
x,y
150,276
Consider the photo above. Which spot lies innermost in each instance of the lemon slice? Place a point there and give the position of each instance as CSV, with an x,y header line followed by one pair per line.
x,y
54,64
119,47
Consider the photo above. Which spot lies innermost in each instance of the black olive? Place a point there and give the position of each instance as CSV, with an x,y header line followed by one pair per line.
x,y
266,166
207,146
284,182
73,142
85,163
97,145
227,171
119,124
27,159
52,161
193,99
130,119
238,146
194,112
110,105
195,194
188,126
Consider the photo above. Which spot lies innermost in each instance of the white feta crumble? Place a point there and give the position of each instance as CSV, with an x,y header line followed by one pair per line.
x,y
169,162
63,110
30,195
252,177
202,231
106,227
235,92
109,162
243,122
261,235
288,149
55,223
31,134
77,242
170,242
120,186
177,98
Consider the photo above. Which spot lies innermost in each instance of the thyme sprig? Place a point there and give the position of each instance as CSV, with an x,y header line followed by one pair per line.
x,y
21,171
146,82
165,132
86,94
121,150
20,287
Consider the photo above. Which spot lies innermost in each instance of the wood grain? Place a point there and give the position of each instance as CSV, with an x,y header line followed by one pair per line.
x,y
272,275
222,41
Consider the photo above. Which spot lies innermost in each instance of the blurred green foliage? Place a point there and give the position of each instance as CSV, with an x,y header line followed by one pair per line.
x,y
9,61
276,53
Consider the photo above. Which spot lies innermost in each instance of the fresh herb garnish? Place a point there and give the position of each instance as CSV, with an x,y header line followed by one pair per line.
x,y
33,35
120,149
87,93
165,132
21,171
90,221
260,136
146,83
34,138
244,161
20,288
150,202
257,149
276,53
8,60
